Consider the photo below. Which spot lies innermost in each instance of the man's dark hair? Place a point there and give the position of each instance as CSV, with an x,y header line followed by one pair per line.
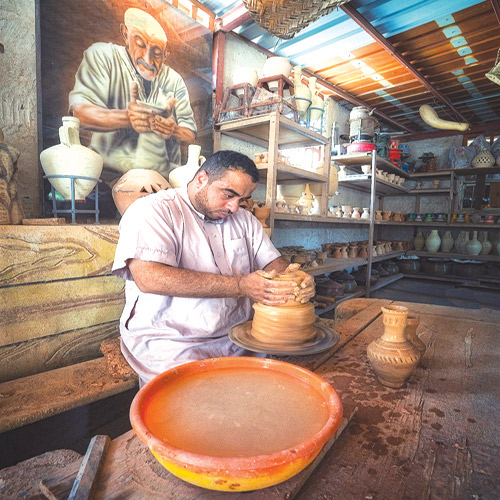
x,y
222,161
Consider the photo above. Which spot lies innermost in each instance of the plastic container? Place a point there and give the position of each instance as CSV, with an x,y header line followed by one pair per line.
x,y
228,407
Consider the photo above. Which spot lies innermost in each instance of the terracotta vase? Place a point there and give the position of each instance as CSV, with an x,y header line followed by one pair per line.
x,y
366,213
363,251
182,176
419,241
412,322
474,246
135,184
262,213
447,242
386,215
378,215
487,245
337,254
353,251
392,356
71,158
433,241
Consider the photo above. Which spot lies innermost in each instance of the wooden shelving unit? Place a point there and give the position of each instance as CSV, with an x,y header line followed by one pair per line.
x,y
461,256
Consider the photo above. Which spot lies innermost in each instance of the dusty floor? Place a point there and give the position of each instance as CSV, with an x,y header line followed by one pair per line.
x,y
439,293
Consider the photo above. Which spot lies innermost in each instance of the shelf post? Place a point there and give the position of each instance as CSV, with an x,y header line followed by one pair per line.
x,y
372,223
272,169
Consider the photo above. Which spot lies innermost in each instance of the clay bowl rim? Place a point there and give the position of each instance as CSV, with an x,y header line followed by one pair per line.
x,y
240,465
392,309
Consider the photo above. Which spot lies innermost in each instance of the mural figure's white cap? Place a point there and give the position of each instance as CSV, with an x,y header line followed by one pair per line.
x,y
145,21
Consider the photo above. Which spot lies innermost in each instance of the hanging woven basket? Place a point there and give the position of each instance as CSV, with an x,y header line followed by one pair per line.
x,y
494,73
284,18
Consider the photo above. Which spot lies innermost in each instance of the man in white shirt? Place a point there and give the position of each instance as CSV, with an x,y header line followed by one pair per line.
x,y
193,264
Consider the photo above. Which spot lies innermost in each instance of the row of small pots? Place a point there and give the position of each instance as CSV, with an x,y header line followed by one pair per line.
x,y
441,267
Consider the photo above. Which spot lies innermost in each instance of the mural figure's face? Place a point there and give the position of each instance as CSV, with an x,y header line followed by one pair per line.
x,y
146,51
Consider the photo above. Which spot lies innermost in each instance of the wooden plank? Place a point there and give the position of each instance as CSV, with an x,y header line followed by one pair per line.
x,y
421,440
36,397
85,484
39,254
53,221
39,310
48,353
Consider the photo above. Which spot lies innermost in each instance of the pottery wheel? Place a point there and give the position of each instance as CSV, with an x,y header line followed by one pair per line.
x,y
324,339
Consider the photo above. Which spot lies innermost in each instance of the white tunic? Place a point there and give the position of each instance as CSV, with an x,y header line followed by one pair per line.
x,y
159,331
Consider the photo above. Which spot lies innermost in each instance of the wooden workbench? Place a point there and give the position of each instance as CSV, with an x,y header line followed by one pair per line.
x,y
436,438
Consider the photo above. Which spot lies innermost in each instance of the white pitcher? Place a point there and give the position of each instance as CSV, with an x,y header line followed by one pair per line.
x,y
181,176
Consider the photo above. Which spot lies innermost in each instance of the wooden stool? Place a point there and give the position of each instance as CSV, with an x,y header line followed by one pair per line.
x,y
283,84
244,99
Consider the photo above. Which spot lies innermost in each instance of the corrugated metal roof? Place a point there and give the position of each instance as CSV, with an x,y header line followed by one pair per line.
x,y
451,43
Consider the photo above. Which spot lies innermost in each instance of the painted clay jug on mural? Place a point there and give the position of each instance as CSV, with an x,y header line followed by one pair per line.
x,y
71,158
181,176
393,357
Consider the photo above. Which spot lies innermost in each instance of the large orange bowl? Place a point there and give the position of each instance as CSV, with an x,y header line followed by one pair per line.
x,y
237,423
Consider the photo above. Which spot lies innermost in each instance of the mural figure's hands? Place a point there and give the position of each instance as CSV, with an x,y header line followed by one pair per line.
x,y
139,115
164,127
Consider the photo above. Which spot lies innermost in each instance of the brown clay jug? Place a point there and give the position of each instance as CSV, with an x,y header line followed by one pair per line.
x,y
392,356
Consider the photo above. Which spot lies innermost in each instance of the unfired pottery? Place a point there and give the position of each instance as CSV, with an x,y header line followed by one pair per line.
x,y
419,241
262,213
433,241
392,356
447,242
288,324
135,184
487,245
474,246
275,66
301,92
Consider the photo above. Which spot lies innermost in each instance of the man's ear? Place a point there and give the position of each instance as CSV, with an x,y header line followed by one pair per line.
x,y
124,32
201,179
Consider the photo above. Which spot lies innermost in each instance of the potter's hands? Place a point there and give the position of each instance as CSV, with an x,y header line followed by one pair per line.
x,y
138,114
260,287
306,290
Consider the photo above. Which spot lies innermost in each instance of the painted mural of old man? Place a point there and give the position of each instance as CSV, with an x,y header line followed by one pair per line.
x,y
137,107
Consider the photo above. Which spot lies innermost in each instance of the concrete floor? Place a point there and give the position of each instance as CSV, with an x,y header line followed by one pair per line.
x,y
439,293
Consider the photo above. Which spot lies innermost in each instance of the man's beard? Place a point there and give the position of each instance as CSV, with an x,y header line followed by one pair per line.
x,y
203,206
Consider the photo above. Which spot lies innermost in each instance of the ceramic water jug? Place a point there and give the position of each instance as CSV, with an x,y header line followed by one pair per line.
x,y
302,93
447,242
487,245
474,246
419,241
433,241
71,158
181,176
276,66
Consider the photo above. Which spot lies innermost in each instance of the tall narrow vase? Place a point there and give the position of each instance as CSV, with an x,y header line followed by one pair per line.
x,y
474,246
419,241
433,241
301,92
447,242
392,356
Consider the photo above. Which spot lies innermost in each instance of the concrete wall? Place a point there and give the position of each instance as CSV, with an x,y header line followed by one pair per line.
x,y
18,95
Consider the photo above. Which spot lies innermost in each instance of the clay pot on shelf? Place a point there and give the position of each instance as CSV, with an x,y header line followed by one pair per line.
x,y
410,264
347,211
386,215
378,215
436,266
447,242
71,158
433,241
353,251
487,245
412,322
419,241
262,213
363,251
328,287
337,254
393,357
355,213
468,268
483,159
366,213
135,184
276,66
301,92
243,74
474,246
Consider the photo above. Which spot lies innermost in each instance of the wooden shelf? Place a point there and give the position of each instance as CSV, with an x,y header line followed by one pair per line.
x,y
319,218
289,173
447,255
381,282
335,265
457,171
427,175
355,160
439,191
362,182
478,282
388,255
255,129
486,227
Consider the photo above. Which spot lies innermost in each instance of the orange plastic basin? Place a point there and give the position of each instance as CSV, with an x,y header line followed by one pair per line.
x,y
236,424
